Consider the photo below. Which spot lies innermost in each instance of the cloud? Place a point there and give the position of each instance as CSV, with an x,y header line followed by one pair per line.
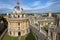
x,y
36,5
32,6
5,5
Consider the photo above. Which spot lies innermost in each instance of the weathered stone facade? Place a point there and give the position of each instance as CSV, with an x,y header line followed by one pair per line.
x,y
18,23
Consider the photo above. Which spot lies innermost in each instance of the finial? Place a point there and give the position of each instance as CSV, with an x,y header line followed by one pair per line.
x,y
18,3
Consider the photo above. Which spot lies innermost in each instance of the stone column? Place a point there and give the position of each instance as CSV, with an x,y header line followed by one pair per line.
x,y
54,35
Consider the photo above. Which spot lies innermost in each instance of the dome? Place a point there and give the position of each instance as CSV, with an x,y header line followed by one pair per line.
x,y
17,9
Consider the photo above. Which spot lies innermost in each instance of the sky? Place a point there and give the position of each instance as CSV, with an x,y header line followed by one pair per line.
x,y
33,5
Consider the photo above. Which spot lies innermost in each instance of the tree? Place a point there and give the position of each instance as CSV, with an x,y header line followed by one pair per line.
x,y
4,20
46,28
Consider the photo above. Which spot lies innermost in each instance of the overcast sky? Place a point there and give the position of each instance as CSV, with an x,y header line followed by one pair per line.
x,y
34,5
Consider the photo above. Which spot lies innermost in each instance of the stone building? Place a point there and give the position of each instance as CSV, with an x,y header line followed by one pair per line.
x,y
56,30
50,21
52,26
18,22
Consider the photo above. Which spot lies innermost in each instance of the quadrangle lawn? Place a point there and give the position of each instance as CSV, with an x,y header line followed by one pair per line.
x,y
7,37
30,36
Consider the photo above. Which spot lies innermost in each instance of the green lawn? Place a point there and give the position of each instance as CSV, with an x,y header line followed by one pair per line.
x,y
23,37
30,36
7,37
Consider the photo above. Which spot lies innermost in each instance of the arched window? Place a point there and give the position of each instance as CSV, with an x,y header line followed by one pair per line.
x,y
19,33
18,23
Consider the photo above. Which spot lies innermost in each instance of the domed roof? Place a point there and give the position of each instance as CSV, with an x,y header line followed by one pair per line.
x,y
17,8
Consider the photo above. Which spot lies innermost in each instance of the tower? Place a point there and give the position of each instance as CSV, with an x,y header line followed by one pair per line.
x,y
18,22
50,14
